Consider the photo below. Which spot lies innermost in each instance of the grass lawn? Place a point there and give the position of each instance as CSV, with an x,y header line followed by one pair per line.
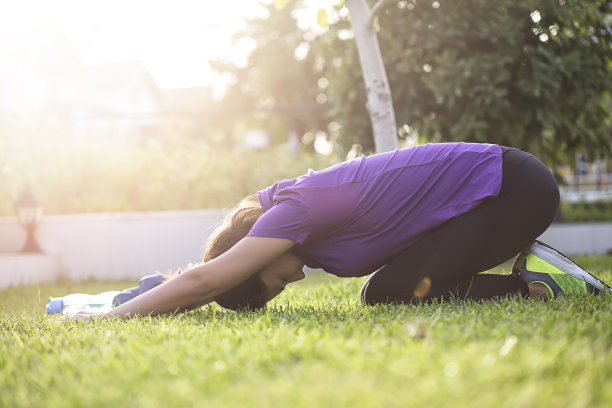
x,y
315,346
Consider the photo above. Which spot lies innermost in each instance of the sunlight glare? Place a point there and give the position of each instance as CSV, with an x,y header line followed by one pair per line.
x,y
174,39
535,16
301,51
322,145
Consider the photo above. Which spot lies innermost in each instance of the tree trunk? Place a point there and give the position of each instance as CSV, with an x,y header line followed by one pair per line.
x,y
379,104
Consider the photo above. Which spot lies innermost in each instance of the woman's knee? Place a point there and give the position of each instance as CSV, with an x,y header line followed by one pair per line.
x,y
375,292
370,296
366,295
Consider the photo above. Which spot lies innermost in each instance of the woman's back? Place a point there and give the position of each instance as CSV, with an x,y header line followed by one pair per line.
x,y
351,218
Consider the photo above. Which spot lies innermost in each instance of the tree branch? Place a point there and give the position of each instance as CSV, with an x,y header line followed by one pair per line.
x,y
375,11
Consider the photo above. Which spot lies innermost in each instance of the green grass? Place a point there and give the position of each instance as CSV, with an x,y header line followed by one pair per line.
x,y
314,346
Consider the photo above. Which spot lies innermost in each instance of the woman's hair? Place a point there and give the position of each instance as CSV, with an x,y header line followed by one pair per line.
x,y
250,294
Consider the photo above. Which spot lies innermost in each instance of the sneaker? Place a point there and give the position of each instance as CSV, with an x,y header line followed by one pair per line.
x,y
543,264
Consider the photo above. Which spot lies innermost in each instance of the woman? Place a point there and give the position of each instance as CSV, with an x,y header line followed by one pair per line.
x,y
425,221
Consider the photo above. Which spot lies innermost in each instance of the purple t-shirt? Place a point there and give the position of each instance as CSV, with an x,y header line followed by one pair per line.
x,y
352,218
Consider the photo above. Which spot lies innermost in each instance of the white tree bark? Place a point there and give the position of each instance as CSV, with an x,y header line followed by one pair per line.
x,y
379,104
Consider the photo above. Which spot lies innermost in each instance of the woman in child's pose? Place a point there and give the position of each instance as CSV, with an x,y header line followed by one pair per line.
x,y
423,221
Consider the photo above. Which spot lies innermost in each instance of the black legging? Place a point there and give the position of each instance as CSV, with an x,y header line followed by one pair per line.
x,y
452,254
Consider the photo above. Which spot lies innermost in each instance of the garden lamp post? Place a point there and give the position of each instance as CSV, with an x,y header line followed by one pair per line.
x,y
29,211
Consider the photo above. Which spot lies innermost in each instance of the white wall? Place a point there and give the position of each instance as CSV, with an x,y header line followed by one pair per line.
x,y
117,245
586,238
28,269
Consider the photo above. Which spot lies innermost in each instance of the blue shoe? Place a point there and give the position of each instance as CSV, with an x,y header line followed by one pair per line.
x,y
543,264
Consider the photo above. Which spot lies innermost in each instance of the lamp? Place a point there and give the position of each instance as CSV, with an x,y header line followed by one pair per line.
x,y
29,211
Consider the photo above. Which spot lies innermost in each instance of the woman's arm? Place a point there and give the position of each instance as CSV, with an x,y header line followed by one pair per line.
x,y
199,285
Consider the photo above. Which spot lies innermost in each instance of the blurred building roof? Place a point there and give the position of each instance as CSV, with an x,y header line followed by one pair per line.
x,y
45,74
113,88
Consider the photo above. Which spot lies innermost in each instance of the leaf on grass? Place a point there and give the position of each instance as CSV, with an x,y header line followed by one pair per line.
x,y
508,345
417,329
422,288
322,18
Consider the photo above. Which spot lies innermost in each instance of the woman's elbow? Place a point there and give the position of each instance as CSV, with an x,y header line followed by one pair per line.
x,y
201,284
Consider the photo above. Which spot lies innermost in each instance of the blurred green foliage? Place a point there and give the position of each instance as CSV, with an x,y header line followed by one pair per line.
x,y
586,212
533,74
175,172
278,86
